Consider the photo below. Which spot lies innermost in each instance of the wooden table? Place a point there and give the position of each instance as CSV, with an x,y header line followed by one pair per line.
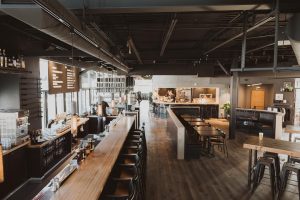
x,y
268,145
193,119
88,181
192,123
291,129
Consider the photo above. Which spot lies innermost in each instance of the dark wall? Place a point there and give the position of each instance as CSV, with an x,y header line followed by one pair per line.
x,y
9,91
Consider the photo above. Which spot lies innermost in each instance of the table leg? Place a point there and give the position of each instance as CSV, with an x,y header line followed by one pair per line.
x,y
250,168
290,137
255,157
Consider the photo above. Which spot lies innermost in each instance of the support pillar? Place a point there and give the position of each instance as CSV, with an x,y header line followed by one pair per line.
x,y
234,87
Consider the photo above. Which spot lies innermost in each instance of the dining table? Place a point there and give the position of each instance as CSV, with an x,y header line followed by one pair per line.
x,y
207,132
193,119
292,129
195,123
254,144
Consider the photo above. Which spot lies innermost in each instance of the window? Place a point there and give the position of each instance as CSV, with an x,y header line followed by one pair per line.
x,y
68,103
51,106
60,103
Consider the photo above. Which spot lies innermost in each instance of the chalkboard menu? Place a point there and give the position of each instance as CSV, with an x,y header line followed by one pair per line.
x,y
62,78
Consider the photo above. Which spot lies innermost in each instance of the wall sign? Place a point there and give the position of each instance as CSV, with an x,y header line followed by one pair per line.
x,y
62,78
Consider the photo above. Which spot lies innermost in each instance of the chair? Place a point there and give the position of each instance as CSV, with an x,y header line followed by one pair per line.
x,y
219,141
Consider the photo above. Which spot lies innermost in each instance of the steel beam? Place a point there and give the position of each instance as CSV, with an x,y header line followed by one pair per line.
x,y
275,61
167,36
158,6
258,24
223,68
136,52
256,69
244,42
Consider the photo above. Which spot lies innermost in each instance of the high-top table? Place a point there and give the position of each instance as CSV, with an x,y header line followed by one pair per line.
x,y
292,129
268,145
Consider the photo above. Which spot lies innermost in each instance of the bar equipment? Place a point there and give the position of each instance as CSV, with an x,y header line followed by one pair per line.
x,y
13,127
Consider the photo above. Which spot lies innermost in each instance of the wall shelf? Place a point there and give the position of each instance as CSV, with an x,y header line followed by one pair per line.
x,y
14,71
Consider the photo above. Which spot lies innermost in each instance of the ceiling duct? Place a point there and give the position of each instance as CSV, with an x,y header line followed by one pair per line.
x,y
293,33
53,19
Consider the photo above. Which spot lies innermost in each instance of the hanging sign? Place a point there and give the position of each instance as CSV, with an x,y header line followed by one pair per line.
x,y
62,78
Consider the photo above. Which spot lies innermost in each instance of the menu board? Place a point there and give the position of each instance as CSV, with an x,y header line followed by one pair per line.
x,y
62,78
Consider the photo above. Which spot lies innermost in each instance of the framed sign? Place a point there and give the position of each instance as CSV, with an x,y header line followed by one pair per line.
x,y
62,78
279,97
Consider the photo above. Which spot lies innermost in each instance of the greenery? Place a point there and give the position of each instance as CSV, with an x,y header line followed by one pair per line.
x,y
226,108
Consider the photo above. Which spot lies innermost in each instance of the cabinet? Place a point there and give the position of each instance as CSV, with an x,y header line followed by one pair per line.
x,y
43,157
15,170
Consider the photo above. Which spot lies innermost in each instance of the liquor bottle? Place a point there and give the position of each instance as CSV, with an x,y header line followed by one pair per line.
x,y
14,61
18,63
1,59
5,58
9,62
22,62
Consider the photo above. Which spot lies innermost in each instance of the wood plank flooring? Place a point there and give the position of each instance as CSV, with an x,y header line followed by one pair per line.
x,y
215,178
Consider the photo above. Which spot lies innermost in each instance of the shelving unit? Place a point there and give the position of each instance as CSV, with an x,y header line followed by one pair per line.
x,y
107,83
9,70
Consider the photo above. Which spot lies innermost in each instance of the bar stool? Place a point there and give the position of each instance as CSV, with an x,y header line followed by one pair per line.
x,y
129,171
276,160
259,173
120,189
287,168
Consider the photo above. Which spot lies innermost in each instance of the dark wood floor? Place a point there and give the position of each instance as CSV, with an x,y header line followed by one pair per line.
x,y
204,178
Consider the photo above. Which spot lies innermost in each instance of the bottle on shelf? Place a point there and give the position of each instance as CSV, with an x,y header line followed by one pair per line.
x,y
9,62
1,59
5,58
14,61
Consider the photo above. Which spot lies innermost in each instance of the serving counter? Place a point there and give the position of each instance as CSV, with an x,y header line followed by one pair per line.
x,y
88,181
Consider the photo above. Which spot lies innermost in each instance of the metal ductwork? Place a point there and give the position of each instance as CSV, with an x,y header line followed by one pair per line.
x,y
293,33
52,18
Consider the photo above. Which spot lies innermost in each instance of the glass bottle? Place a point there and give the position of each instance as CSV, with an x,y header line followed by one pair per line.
x,y
1,59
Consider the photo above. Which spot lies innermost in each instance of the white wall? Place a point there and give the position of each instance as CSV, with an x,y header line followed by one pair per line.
x,y
144,86
170,81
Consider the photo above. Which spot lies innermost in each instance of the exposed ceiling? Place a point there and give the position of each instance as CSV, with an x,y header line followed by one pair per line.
x,y
168,37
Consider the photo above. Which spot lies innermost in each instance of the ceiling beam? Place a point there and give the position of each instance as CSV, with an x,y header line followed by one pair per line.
x,y
167,36
135,51
203,70
258,24
155,6
223,68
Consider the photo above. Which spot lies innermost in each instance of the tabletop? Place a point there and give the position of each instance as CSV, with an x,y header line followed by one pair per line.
x,y
273,146
292,129
207,132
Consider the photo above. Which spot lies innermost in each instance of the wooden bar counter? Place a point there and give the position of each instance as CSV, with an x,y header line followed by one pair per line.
x,y
88,181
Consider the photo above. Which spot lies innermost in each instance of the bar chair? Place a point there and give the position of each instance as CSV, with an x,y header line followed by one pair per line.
x,y
259,171
276,161
119,189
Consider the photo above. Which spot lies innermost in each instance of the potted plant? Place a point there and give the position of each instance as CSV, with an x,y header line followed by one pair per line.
x,y
226,107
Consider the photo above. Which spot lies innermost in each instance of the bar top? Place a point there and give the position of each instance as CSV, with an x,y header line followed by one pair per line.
x,y
88,181
257,110
183,103
273,146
